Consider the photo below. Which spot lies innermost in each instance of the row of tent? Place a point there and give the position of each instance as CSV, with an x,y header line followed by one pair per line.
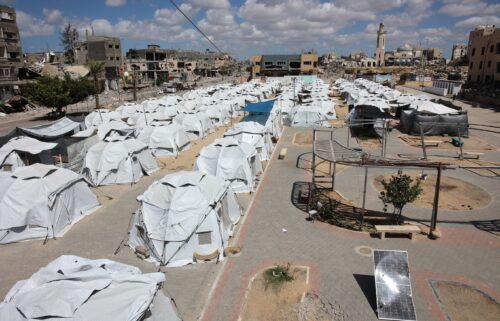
x,y
371,102
180,214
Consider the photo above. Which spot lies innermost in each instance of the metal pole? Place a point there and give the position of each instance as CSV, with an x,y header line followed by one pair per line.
x,y
422,140
364,186
333,176
348,134
383,141
435,205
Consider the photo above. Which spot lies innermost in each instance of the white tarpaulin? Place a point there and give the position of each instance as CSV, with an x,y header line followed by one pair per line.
x,y
234,161
166,140
119,162
9,151
308,116
255,134
182,214
41,201
79,289
55,129
428,106
196,125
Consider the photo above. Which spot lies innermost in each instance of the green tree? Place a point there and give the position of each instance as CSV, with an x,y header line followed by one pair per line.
x,y
68,37
96,70
58,93
398,192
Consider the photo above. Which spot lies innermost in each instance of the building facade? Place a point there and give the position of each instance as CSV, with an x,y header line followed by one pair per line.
x,y
458,51
484,55
105,49
283,65
11,57
380,52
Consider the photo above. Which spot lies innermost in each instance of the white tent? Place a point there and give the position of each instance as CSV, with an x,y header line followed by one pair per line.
x,y
254,134
196,125
75,288
234,161
165,140
99,116
119,162
182,214
114,130
40,201
428,106
308,116
9,153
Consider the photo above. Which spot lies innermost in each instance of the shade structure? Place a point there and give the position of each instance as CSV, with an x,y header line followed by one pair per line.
x,y
41,201
259,107
76,288
53,130
183,214
120,162
9,153
234,161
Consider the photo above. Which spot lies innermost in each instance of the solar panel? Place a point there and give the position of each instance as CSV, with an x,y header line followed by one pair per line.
x,y
392,285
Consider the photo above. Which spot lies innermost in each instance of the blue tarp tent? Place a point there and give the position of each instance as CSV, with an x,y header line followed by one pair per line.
x,y
262,107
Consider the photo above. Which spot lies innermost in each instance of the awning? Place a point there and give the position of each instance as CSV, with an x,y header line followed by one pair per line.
x,y
262,107
55,129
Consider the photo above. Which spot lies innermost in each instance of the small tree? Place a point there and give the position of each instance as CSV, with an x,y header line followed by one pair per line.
x,y
68,37
96,69
398,192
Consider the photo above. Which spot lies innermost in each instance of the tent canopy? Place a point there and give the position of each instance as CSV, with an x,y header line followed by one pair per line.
x,y
24,144
260,107
52,130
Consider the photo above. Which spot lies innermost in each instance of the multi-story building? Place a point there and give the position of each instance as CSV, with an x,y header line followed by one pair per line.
x,y
459,51
434,55
484,55
105,49
281,65
10,51
150,64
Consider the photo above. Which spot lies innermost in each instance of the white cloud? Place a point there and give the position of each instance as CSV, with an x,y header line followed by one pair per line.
x,y
468,7
115,3
30,26
52,17
210,4
473,22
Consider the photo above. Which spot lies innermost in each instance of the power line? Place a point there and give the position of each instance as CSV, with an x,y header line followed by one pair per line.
x,y
195,26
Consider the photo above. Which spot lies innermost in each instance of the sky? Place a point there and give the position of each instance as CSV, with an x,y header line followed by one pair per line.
x,y
247,27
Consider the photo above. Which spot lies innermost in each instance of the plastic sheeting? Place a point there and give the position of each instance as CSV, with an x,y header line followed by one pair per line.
x,y
182,214
75,288
41,201
409,123
53,130
8,152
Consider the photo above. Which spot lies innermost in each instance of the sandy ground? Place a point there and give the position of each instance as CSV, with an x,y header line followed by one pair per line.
x,y
472,143
455,194
303,138
275,304
464,303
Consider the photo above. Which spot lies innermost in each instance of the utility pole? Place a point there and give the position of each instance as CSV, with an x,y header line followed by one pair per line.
x,y
134,85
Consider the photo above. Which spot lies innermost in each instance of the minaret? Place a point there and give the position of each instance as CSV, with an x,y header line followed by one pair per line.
x,y
380,53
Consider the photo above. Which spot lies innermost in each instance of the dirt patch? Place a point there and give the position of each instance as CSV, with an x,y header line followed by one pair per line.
x,y
303,138
471,143
464,303
455,194
341,111
275,304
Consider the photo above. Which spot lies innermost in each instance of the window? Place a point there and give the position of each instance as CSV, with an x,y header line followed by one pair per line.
x,y
204,238
498,67
110,46
4,72
491,48
489,64
117,46
307,62
471,65
498,48
117,58
473,52
478,77
268,63
281,63
482,51
480,65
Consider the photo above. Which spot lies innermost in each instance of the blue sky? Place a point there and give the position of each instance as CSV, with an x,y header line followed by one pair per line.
x,y
246,27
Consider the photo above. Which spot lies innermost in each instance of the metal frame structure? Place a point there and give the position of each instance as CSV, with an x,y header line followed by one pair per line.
x,y
331,151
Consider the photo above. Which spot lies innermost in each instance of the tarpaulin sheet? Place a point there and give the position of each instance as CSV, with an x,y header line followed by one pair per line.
x,y
262,107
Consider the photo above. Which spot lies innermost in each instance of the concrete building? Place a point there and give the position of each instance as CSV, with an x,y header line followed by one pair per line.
x,y
434,55
282,65
150,64
10,52
484,55
458,51
380,52
100,48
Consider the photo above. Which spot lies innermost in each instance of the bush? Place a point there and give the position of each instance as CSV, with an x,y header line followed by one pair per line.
x,y
276,276
398,192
